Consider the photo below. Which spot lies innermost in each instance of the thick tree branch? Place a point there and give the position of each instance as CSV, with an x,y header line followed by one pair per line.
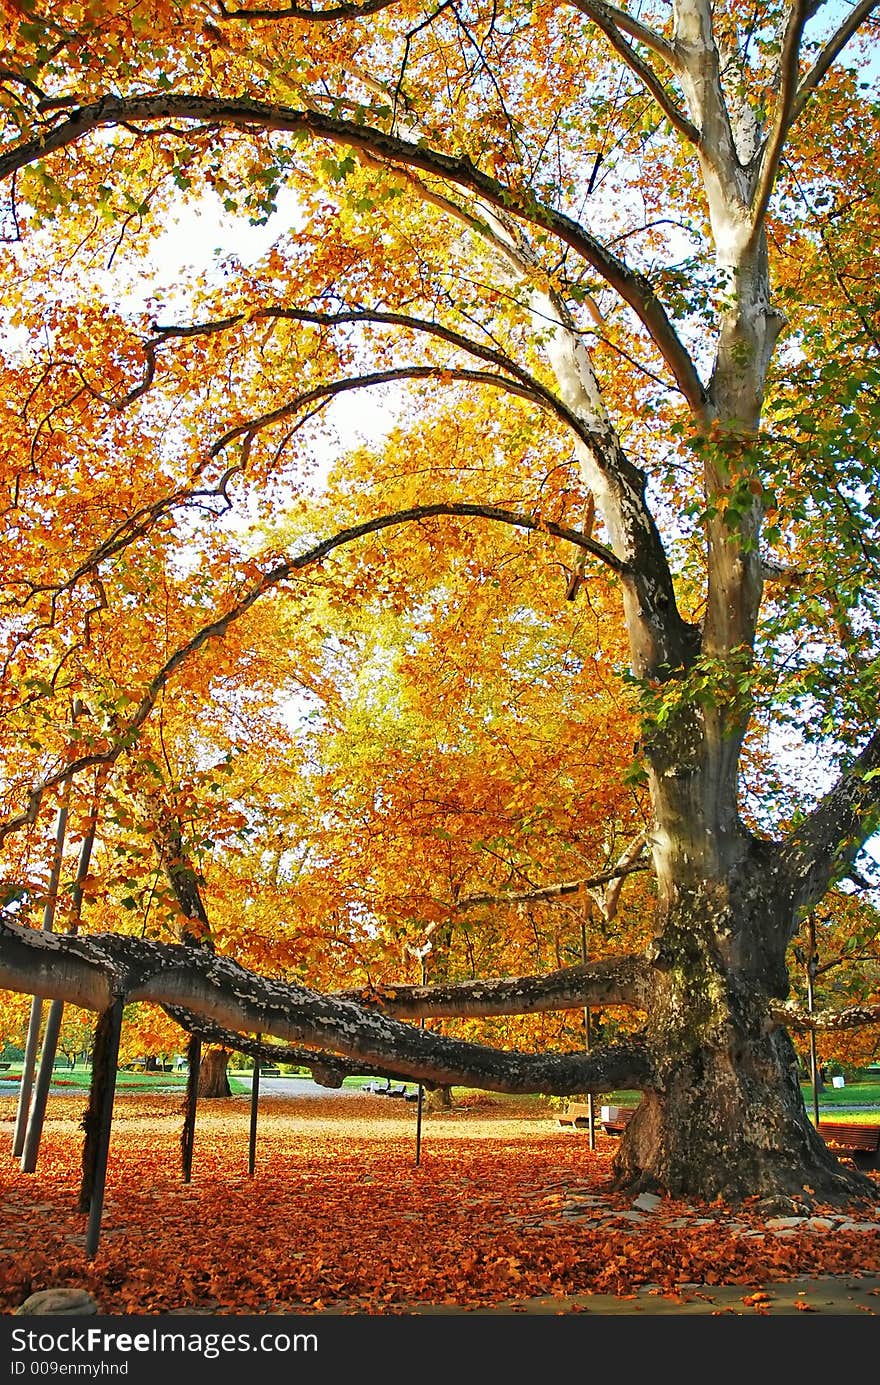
x,y
309,15
825,845
244,114
92,972
567,887
825,1021
610,981
634,28
531,391
775,143
327,1068
626,862
531,387
699,72
522,384
776,574
195,927
133,527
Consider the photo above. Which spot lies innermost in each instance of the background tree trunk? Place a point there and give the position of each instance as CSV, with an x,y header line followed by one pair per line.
x,y
213,1080
438,1099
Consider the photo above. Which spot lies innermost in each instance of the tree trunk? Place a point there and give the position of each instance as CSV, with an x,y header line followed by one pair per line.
x,y
726,1117
438,1099
213,1080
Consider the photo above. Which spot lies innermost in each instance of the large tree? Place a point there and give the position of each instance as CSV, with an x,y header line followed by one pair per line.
x,y
619,270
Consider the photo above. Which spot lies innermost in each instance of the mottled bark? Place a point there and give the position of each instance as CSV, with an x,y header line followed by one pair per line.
x,y
722,1114
725,1116
218,990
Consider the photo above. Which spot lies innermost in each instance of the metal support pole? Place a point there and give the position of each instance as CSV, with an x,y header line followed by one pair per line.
x,y
591,1113
27,1075
33,1034
421,1095
255,1098
188,1134
419,1102
812,966
37,1116
41,1088
108,1068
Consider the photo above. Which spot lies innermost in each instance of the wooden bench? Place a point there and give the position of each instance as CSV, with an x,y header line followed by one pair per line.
x,y
576,1114
614,1119
385,1089
860,1142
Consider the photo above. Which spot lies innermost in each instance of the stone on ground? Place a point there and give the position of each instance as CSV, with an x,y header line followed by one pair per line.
x,y
58,1301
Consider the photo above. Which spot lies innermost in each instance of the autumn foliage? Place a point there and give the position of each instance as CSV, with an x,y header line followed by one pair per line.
x,y
464,573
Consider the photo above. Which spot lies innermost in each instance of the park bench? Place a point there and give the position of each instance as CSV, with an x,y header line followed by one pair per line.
x,y
860,1142
576,1114
614,1119
4,1067
611,1118
269,1070
385,1089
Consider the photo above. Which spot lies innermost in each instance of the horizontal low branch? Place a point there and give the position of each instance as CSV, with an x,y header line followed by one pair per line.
x,y
825,1021
609,981
96,971
327,1068
358,1032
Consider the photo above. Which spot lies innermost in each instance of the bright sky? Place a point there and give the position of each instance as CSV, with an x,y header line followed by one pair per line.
x,y
196,242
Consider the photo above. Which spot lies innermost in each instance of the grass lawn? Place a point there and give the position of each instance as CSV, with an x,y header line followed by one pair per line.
x,y
125,1081
843,1101
860,1094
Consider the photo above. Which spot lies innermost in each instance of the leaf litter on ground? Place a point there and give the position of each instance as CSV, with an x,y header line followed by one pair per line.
x,y
338,1216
